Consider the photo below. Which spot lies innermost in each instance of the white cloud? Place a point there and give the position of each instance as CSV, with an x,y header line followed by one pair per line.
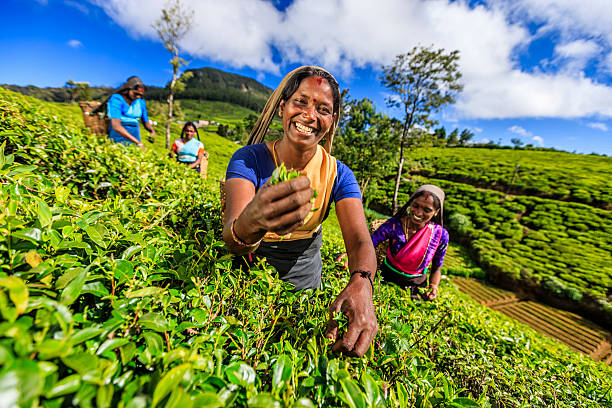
x,y
577,49
79,6
598,126
521,131
342,35
74,44
477,130
576,55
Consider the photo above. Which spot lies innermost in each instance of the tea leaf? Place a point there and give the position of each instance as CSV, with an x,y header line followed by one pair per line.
x,y
281,372
18,292
240,373
44,214
168,382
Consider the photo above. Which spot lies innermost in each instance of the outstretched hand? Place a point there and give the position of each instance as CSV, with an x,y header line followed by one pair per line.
x,y
355,301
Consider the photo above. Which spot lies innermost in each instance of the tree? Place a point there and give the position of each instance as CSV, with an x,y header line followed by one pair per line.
x,y
174,23
465,136
70,85
516,142
440,133
422,80
78,91
453,138
365,141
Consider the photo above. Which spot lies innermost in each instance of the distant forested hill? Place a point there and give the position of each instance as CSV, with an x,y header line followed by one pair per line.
x,y
216,85
59,94
206,84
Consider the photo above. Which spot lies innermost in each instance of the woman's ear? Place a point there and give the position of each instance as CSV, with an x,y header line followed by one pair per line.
x,y
280,108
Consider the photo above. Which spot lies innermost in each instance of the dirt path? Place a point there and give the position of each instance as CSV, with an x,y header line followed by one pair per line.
x,y
568,328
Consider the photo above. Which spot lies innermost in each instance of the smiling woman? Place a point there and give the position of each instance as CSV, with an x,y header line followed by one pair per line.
x,y
417,242
282,222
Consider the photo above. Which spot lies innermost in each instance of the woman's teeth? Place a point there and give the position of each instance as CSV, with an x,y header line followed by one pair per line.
x,y
303,129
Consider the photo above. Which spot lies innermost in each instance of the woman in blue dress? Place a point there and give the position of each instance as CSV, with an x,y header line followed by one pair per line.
x,y
125,109
282,222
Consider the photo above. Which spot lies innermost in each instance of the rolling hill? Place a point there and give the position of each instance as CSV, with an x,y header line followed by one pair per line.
x,y
207,84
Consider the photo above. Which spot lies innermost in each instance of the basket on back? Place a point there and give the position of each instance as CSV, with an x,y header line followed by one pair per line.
x,y
381,250
97,122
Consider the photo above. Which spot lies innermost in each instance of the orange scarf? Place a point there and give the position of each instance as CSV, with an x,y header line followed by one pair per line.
x,y
321,170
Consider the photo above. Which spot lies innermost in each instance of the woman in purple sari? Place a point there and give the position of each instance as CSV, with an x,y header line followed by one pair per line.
x,y
417,242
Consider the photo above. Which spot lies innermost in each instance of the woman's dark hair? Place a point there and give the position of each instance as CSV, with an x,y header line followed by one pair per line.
x,y
193,126
131,83
403,211
294,83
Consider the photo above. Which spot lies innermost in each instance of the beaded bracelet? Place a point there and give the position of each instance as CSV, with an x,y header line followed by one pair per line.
x,y
241,242
364,274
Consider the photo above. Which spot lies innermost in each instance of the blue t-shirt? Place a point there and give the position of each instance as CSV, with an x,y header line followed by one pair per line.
x,y
256,164
119,109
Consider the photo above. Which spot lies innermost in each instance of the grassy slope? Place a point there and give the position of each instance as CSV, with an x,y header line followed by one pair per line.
x,y
496,360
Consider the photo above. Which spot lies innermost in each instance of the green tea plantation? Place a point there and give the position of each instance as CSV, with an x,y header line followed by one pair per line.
x,y
538,222
116,291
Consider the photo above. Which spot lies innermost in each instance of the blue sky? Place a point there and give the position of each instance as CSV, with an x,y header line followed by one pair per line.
x,y
538,70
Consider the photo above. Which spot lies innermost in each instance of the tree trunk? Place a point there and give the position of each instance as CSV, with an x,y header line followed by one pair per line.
x,y
170,103
365,185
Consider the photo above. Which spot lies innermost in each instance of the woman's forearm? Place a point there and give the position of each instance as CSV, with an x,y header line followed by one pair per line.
x,y
150,128
197,162
117,127
435,277
362,257
238,239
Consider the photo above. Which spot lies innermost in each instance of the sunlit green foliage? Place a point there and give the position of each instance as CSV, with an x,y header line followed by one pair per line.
x,y
116,291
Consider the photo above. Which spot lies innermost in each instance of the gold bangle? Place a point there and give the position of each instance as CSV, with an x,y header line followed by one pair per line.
x,y
241,242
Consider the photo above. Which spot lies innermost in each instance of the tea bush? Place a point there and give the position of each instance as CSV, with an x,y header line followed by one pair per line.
x,y
529,236
555,175
116,291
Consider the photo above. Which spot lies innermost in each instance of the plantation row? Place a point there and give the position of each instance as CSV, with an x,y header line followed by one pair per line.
x,y
562,247
555,175
116,291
